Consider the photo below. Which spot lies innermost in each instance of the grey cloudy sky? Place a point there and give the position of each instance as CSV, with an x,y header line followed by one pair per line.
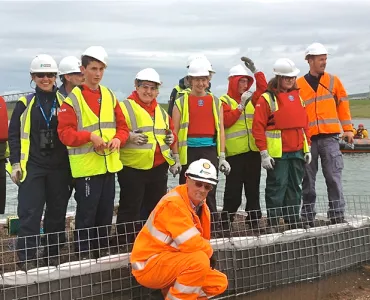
x,y
162,33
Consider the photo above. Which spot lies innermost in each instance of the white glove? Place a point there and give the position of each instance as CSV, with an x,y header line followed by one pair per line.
x,y
176,168
170,138
16,175
266,160
308,156
246,97
138,138
223,165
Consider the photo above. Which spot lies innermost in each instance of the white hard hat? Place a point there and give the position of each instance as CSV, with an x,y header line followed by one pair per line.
x,y
202,170
43,63
200,56
285,67
148,74
315,49
97,52
238,70
195,56
198,67
69,64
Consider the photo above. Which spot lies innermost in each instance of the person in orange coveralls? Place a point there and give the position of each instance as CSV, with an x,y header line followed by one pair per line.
x,y
172,252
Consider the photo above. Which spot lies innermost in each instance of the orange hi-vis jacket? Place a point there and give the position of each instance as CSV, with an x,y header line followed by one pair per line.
x,y
327,108
172,226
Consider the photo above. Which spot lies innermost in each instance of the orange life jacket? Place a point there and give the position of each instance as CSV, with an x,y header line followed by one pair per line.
x,y
327,108
172,226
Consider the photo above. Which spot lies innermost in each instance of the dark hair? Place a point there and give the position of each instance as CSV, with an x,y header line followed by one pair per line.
x,y
274,85
62,79
85,60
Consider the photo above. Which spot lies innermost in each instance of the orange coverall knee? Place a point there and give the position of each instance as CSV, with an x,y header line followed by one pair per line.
x,y
185,276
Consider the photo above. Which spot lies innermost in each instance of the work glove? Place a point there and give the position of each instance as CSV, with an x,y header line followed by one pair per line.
x,y
170,138
246,97
176,168
16,175
138,138
266,160
223,165
308,156
249,64
213,261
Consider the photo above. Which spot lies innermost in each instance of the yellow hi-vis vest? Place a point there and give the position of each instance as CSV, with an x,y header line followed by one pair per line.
x,y
239,138
182,104
273,137
25,131
137,118
84,160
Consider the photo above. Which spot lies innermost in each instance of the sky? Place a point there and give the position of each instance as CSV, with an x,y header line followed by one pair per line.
x,y
162,33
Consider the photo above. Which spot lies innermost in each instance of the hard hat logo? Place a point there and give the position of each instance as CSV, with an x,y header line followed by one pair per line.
x,y
45,65
206,166
204,172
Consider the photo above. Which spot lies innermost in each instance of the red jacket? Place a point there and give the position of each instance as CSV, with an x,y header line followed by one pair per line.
x,y
3,121
292,138
232,115
158,157
67,121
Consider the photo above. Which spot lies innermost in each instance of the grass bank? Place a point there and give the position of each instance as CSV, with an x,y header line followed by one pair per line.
x,y
360,108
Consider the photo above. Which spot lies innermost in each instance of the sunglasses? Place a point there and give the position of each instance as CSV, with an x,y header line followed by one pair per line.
x,y
48,75
207,186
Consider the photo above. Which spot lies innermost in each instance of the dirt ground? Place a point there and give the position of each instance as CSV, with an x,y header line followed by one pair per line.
x,y
360,289
349,285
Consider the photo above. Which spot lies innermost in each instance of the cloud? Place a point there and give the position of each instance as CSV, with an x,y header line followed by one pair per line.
x,y
161,34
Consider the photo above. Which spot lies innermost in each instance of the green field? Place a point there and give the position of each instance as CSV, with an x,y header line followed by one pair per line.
x,y
359,108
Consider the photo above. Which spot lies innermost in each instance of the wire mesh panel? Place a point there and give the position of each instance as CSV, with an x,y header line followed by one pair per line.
x,y
254,254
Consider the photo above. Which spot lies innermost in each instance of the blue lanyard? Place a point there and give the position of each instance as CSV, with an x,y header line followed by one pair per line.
x,y
52,111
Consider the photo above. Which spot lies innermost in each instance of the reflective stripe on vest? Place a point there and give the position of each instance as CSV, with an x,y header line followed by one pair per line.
x,y
182,104
329,90
25,130
273,137
239,138
137,118
166,239
84,160
322,106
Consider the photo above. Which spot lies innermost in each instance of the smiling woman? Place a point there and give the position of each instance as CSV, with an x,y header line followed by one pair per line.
x,y
39,164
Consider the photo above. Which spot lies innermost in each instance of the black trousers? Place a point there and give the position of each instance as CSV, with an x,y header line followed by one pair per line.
x,y
140,192
50,186
2,186
245,172
95,203
194,154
